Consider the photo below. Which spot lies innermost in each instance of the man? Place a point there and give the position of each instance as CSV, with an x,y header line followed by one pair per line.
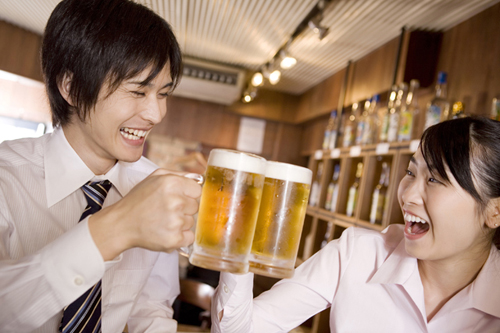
x,y
108,66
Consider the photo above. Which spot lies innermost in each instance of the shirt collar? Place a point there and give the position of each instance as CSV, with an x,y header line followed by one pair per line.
x,y
482,294
397,268
485,288
65,172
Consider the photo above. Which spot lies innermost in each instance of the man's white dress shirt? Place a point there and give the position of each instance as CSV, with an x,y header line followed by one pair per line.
x,y
370,284
48,259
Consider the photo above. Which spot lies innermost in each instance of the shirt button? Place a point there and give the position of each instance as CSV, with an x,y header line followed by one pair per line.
x,y
78,280
226,289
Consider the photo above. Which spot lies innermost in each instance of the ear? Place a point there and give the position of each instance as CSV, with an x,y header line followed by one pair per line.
x,y
493,213
64,86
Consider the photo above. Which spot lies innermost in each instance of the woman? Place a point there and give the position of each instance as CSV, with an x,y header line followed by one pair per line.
x,y
437,273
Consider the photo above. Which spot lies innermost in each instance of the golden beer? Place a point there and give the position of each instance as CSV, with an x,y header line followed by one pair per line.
x,y
228,211
280,220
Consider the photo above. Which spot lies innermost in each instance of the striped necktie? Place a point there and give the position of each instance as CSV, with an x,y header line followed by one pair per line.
x,y
84,314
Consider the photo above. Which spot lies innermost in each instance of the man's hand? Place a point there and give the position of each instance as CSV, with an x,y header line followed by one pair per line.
x,y
157,214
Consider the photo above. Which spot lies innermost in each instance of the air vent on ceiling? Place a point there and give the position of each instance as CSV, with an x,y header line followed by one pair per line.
x,y
210,82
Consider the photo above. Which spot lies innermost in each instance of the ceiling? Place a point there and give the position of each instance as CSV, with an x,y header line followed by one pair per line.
x,y
249,33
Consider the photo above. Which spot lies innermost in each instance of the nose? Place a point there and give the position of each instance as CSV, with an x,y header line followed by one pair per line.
x,y
155,109
410,191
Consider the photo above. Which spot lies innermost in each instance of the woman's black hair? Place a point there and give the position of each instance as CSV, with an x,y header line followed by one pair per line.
x,y
470,147
102,41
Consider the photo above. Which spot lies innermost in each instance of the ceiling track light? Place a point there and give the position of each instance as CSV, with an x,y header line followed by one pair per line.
x,y
272,75
249,94
257,79
283,57
315,25
287,61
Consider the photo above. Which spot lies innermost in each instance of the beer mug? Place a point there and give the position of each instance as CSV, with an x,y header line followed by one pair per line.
x,y
280,221
229,206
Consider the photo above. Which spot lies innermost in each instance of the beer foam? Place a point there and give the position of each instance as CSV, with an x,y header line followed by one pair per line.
x,y
288,172
232,159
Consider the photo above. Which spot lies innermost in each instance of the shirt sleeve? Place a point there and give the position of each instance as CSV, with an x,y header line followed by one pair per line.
x,y
153,311
35,288
289,302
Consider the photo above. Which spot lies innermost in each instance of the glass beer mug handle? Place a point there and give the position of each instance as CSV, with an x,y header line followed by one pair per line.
x,y
186,250
196,176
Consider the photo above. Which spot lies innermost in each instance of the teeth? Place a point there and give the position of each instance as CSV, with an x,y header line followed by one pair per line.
x,y
132,134
412,218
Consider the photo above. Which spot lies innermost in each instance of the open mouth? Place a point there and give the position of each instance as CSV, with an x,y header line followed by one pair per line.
x,y
132,134
415,225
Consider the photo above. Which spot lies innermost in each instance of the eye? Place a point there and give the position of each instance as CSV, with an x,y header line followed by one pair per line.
x,y
164,95
138,93
409,173
434,180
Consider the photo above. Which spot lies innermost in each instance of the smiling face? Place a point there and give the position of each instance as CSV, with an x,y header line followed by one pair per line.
x,y
117,127
441,218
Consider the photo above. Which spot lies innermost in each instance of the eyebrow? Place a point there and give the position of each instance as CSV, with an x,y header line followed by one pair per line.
x,y
141,84
413,160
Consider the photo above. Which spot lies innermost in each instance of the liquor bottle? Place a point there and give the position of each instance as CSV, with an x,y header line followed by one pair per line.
x,y
328,233
457,111
371,123
333,190
316,186
395,113
350,125
362,124
379,196
495,108
439,107
330,137
409,114
385,114
354,191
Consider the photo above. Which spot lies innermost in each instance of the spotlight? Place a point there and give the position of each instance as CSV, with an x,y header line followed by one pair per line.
x,y
316,27
274,77
257,79
287,61
249,94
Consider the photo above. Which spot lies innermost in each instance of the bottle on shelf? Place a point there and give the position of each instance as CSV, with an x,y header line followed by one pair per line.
x,y
328,234
385,114
333,190
350,126
354,191
438,108
495,108
379,196
457,111
409,114
330,137
362,124
316,186
370,130
395,113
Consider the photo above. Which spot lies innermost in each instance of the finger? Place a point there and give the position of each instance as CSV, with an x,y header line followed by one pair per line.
x,y
179,183
188,238
188,223
191,207
190,175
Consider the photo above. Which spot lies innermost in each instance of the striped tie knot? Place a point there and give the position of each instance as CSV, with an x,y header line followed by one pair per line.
x,y
95,193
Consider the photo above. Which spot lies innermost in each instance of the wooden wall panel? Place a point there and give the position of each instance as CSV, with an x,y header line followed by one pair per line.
x,y
470,53
312,137
214,126
20,51
270,105
321,99
373,73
